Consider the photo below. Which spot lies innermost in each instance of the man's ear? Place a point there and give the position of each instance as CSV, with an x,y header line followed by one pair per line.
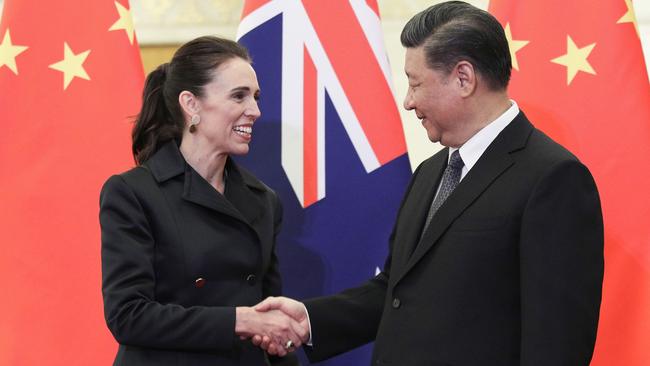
x,y
189,103
466,77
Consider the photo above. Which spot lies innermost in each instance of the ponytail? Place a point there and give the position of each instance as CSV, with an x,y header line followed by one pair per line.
x,y
154,125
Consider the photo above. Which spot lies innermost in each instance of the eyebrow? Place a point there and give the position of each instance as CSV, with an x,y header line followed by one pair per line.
x,y
241,88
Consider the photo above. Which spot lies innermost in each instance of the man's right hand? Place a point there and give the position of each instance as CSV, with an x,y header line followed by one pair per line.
x,y
290,307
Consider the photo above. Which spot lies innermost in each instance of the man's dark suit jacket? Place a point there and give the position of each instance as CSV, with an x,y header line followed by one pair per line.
x,y
178,257
508,273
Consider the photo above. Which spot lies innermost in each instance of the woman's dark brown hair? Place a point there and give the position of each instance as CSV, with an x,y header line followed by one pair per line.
x,y
192,67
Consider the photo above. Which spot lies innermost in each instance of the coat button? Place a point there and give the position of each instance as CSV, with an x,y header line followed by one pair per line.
x,y
251,279
199,282
382,362
396,303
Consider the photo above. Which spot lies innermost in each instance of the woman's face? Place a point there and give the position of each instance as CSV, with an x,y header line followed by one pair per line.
x,y
228,108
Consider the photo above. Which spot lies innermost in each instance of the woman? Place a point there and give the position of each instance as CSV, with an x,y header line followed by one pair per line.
x,y
188,237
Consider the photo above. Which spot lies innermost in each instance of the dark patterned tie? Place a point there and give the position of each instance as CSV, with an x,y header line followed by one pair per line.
x,y
450,179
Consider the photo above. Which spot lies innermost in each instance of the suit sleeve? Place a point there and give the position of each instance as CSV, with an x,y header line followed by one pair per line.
x,y
128,281
351,318
346,320
561,264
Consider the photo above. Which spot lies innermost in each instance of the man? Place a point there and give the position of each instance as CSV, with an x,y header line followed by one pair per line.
x,y
496,256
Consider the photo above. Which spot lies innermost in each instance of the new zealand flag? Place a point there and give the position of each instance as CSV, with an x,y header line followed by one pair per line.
x,y
329,142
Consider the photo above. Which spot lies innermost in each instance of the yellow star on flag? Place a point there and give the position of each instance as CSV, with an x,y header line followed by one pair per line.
x,y
125,22
514,46
629,17
8,53
72,65
575,59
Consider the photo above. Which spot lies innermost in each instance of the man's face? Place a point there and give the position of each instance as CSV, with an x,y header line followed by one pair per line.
x,y
433,95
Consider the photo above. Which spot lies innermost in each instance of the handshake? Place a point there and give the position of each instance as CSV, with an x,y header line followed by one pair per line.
x,y
278,325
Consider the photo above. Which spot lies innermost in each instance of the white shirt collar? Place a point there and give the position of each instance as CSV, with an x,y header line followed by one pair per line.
x,y
472,150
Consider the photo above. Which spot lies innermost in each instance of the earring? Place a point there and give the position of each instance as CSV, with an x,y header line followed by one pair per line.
x,y
195,121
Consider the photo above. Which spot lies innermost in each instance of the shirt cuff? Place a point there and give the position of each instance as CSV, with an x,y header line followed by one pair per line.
x,y
309,342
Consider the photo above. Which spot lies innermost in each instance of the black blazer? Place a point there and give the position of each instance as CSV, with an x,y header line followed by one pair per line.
x,y
178,257
508,273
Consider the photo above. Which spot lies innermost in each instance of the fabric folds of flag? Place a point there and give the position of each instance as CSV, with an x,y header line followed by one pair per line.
x,y
330,140
580,76
70,79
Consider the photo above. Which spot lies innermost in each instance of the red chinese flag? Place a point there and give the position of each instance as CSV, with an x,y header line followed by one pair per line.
x,y
70,79
579,75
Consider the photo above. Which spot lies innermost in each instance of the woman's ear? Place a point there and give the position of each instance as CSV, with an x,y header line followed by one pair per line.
x,y
189,103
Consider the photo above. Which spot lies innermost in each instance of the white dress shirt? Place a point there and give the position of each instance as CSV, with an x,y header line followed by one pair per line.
x,y
473,149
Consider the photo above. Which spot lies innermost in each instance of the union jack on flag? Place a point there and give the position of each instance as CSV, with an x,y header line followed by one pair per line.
x,y
329,141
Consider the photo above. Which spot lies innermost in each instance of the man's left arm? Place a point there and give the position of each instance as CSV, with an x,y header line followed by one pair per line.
x,y
561,267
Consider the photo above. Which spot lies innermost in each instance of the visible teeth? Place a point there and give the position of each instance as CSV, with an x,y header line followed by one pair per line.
x,y
244,129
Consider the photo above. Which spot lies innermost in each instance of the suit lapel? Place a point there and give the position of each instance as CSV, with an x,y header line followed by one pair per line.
x,y
241,192
197,190
421,196
495,161
247,194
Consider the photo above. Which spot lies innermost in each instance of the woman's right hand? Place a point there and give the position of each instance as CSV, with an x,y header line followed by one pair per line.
x,y
274,324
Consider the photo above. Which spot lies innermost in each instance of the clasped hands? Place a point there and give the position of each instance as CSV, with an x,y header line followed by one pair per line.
x,y
278,325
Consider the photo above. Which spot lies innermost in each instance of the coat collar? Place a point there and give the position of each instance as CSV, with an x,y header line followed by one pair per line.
x,y
495,160
242,199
